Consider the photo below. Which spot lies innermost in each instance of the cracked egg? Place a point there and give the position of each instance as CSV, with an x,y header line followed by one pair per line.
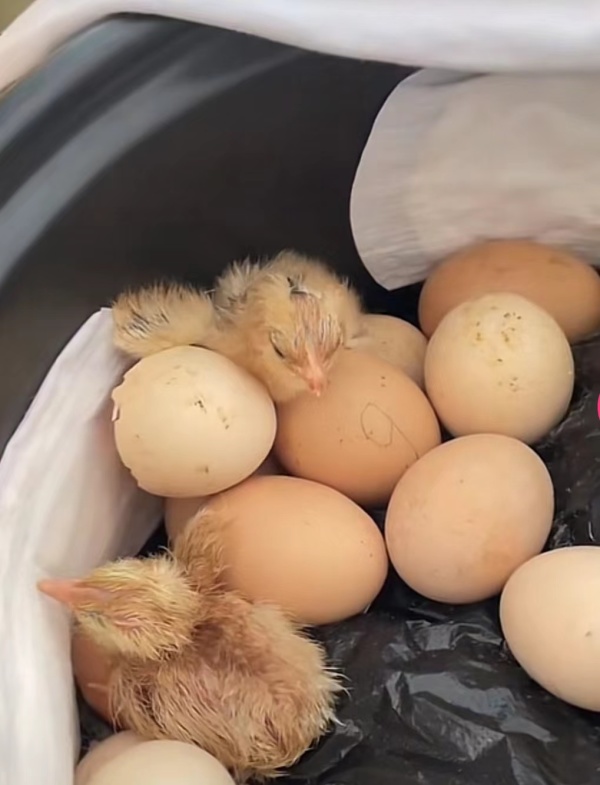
x,y
362,434
188,422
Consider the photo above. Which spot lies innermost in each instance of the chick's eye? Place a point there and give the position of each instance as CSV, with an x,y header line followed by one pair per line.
x,y
276,346
95,615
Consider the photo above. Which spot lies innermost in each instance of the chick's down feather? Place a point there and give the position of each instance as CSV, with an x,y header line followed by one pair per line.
x,y
160,317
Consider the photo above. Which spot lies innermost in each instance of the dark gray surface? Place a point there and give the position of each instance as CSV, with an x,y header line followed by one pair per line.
x,y
149,148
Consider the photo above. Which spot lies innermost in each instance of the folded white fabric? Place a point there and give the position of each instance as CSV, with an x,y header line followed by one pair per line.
x,y
472,35
453,160
66,505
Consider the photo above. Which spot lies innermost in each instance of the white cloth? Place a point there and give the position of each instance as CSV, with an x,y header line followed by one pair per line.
x,y
453,160
66,505
472,35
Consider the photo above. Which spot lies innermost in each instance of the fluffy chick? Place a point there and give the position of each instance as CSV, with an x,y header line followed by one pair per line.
x,y
285,321
197,663
160,317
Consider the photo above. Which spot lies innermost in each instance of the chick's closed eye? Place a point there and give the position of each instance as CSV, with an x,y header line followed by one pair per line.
x,y
276,347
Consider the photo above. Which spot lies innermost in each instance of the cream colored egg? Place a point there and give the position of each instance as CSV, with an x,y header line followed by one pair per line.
x,y
188,422
302,546
560,283
163,763
101,754
549,616
179,511
362,434
397,342
499,364
466,515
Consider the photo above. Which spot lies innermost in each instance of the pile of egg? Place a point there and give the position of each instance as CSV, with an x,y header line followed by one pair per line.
x,y
436,427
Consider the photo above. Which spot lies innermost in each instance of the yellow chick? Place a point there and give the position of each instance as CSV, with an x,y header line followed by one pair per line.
x,y
284,320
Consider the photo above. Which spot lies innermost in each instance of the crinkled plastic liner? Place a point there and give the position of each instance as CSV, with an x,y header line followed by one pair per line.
x,y
435,696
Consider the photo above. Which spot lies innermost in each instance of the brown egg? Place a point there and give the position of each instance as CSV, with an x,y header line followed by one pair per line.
x,y
499,364
103,753
189,422
562,284
397,342
91,669
466,515
302,546
179,511
361,435
549,615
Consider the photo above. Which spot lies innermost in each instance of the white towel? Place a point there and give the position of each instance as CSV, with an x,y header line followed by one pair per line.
x,y
472,35
453,160
66,505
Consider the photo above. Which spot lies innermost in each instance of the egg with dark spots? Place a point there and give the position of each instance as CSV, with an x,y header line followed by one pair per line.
x,y
189,422
499,364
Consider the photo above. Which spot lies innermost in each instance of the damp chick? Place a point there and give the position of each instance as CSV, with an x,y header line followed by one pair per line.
x,y
194,662
285,321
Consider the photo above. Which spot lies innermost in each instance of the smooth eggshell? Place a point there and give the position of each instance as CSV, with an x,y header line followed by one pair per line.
x,y
397,342
302,546
549,616
101,754
188,422
563,285
179,511
499,364
362,434
466,515
163,763
91,669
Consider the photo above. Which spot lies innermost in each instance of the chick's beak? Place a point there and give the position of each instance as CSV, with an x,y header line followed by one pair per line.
x,y
315,376
64,591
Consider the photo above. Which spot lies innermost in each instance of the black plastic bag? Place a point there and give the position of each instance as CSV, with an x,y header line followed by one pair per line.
x,y
435,697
